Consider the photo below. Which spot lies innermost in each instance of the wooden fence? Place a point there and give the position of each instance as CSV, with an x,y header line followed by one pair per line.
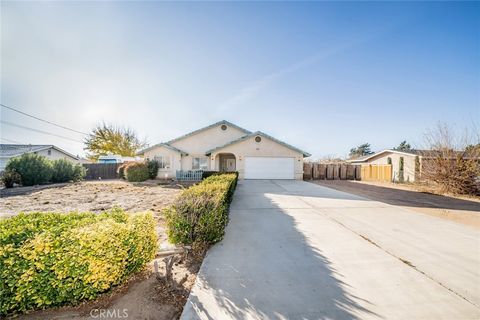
x,y
343,171
96,171
377,172
331,171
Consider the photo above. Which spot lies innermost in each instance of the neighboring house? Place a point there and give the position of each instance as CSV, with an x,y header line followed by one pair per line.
x,y
224,146
115,158
411,164
8,151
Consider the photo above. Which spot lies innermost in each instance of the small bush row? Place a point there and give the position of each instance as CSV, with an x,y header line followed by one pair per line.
x,y
31,169
138,171
200,213
50,259
206,174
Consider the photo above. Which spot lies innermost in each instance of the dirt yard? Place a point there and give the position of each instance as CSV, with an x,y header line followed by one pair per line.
x,y
92,196
143,296
461,210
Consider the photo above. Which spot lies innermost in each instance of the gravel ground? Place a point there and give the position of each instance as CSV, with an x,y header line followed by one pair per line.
x,y
92,196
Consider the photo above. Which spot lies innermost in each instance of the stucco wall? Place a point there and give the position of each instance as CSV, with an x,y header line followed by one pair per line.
x,y
266,148
206,140
175,161
55,155
408,164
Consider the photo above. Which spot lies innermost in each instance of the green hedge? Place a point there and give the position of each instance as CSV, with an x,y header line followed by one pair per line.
x,y
200,213
31,169
137,172
65,171
50,259
206,174
153,167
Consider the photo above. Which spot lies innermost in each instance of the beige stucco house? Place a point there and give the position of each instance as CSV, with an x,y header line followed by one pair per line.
x,y
224,146
411,162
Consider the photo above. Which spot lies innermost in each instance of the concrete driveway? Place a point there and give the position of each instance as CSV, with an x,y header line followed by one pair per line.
x,y
295,250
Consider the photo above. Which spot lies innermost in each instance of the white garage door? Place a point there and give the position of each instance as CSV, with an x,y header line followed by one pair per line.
x,y
269,168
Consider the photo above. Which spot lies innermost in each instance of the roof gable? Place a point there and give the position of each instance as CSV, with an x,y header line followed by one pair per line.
x,y
183,146
13,150
164,145
259,133
216,124
410,153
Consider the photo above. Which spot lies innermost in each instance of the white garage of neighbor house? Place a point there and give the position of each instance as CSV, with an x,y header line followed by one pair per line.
x,y
224,146
8,151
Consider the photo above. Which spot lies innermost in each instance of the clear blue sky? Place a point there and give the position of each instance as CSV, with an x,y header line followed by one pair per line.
x,y
321,76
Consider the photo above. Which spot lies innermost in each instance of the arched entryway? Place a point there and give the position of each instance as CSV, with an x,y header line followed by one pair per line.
x,y
226,162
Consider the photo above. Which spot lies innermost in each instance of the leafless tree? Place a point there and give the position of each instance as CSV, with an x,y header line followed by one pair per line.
x,y
452,160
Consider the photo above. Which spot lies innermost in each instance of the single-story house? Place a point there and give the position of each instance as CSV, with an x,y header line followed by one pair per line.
x,y
414,161
411,162
224,146
8,151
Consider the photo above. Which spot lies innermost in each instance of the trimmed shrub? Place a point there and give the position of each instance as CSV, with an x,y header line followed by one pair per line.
x,y
136,172
64,171
152,168
206,174
200,213
9,178
50,259
33,169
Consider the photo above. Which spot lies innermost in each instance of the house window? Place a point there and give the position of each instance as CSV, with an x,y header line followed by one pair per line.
x,y
224,127
163,161
199,164
49,152
258,139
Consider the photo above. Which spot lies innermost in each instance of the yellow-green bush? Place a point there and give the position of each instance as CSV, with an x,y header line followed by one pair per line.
x,y
49,259
200,213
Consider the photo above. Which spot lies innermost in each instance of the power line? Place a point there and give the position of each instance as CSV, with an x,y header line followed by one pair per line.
x,y
46,121
39,131
11,141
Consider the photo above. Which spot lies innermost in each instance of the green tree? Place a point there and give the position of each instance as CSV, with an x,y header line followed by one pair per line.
x,y
33,169
110,139
361,150
403,146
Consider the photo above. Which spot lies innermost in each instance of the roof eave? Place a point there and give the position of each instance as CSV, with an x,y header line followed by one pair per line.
x,y
304,154
209,127
165,145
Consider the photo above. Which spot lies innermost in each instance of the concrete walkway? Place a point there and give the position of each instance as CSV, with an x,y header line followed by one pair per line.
x,y
295,250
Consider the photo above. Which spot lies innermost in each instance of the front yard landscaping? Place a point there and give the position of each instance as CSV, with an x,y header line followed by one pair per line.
x,y
103,250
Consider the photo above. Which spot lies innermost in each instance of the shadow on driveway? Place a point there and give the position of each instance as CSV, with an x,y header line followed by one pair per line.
x,y
265,268
400,197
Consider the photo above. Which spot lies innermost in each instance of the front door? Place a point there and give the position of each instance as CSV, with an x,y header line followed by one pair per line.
x,y
227,164
230,165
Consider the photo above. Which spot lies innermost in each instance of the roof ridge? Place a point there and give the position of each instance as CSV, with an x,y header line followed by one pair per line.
x,y
208,127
